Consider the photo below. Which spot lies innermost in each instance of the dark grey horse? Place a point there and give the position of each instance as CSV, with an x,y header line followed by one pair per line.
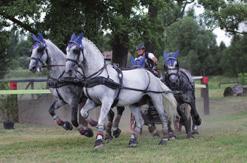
x,y
178,79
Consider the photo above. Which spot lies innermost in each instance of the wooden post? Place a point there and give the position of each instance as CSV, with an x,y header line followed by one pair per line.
x,y
205,95
206,100
14,102
32,87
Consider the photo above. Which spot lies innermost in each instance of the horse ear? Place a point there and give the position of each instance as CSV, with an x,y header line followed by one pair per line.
x,y
41,38
73,37
165,56
80,36
35,38
176,54
79,39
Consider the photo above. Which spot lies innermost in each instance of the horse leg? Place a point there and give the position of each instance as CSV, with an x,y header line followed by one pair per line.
x,y
187,112
116,130
158,104
54,106
110,115
195,115
138,125
152,129
74,112
85,130
151,126
194,129
104,110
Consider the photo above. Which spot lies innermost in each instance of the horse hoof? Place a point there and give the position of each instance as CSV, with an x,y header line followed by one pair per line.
x,y
116,133
132,143
195,132
99,144
108,137
171,136
67,126
189,136
163,141
198,120
87,132
156,134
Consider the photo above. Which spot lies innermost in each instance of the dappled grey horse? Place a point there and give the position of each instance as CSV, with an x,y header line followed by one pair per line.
x,y
45,54
107,86
179,79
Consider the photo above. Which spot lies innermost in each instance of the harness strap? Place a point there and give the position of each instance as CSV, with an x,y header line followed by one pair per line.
x,y
59,96
120,78
56,85
145,91
87,94
38,60
97,72
150,91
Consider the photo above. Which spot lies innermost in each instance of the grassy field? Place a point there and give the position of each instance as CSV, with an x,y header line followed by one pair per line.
x,y
223,138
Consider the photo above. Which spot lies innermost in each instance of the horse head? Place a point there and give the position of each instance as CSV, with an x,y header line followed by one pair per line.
x,y
74,52
39,56
171,65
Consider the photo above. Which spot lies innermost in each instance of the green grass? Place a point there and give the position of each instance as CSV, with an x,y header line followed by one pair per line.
x,y
223,138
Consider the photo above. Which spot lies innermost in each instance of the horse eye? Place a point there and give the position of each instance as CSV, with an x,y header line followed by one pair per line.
x,y
76,51
40,49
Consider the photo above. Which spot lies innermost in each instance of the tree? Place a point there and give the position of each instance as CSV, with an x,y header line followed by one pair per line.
x,y
234,58
4,58
197,46
227,14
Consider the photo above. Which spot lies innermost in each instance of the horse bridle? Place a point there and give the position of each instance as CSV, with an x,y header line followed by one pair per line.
x,y
37,60
173,73
81,49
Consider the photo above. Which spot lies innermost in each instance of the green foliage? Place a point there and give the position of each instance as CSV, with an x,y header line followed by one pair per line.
x,y
234,59
4,58
226,14
197,46
162,25
8,104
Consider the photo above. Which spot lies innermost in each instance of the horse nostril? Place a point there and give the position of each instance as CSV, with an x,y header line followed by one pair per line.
x,y
32,69
70,72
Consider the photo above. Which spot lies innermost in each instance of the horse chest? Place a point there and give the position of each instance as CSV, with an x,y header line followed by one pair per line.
x,y
97,93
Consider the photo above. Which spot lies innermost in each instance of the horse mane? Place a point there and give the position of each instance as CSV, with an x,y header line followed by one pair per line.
x,y
93,45
51,45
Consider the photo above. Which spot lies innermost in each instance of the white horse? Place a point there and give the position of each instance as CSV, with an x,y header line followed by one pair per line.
x,y
136,84
46,54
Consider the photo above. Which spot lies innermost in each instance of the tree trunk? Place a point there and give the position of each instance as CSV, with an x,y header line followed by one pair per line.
x,y
149,44
120,49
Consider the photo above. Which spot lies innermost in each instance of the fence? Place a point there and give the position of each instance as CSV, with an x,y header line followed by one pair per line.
x,y
42,115
204,92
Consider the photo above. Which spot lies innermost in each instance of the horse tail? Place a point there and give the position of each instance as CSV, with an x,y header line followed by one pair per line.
x,y
170,104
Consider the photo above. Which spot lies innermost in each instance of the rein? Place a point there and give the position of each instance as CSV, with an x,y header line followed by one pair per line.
x,y
43,64
94,79
48,66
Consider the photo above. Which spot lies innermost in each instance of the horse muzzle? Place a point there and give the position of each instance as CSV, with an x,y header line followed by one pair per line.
x,y
32,69
173,78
